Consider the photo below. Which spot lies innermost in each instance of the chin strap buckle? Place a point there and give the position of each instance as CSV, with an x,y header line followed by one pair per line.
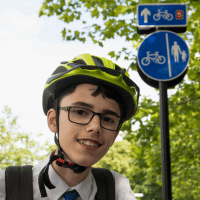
x,y
60,162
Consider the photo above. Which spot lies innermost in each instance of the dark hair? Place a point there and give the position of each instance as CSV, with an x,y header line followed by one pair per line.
x,y
105,91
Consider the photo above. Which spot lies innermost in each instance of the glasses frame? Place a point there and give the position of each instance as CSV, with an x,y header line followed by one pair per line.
x,y
67,108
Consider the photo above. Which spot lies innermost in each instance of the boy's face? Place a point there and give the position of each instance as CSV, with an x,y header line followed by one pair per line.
x,y
70,132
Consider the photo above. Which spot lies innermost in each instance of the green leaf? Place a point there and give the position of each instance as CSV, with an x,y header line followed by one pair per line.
x,y
112,54
101,44
63,33
56,7
95,13
68,37
76,33
62,3
133,66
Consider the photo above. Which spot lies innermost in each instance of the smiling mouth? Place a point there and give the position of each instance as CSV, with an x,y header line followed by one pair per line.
x,y
89,145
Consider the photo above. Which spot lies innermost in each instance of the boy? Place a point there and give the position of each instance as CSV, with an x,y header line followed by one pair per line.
x,y
86,101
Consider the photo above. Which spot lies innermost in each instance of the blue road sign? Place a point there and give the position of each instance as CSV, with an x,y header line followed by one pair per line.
x,y
163,56
161,15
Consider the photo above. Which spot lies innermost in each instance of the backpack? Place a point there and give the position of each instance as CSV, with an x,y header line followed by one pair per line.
x,y
18,183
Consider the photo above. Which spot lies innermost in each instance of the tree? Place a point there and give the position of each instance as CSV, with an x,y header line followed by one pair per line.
x,y
184,144
118,19
18,148
117,158
115,19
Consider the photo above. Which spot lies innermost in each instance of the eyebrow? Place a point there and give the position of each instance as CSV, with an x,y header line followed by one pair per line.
x,y
106,111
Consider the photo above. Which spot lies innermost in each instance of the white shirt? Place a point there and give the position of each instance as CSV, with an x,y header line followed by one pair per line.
x,y
87,188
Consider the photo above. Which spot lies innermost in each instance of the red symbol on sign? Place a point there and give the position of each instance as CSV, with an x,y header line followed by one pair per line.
x,y
179,14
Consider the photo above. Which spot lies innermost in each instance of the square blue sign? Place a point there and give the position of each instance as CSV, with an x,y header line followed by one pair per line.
x,y
161,15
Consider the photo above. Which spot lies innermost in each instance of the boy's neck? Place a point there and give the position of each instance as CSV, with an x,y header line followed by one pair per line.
x,y
68,175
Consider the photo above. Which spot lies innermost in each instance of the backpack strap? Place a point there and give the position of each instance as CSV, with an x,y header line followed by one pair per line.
x,y
19,182
105,184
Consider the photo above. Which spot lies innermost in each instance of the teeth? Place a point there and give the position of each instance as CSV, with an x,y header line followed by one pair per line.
x,y
88,143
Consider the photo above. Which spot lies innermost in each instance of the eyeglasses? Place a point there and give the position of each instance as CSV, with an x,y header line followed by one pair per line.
x,y
81,115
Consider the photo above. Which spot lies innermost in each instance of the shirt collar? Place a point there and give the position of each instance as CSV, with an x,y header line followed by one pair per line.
x,y
83,188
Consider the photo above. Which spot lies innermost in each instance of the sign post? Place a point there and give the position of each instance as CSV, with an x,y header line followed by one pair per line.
x,y
162,63
165,143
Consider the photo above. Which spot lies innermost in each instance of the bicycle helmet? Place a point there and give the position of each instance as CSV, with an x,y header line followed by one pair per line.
x,y
85,68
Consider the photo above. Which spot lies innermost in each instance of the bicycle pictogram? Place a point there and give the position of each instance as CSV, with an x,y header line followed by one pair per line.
x,y
156,58
165,15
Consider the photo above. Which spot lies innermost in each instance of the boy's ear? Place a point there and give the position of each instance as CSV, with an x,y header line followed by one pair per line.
x,y
51,120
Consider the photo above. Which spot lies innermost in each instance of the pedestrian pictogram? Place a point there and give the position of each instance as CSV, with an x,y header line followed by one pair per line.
x,y
163,56
176,51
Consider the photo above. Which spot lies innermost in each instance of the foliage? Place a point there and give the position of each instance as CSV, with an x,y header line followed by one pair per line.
x,y
184,143
117,159
18,148
116,18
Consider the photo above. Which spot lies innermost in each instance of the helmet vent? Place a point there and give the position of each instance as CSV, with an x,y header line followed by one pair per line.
x,y
80,62
117,68
64,62
59,70
98,61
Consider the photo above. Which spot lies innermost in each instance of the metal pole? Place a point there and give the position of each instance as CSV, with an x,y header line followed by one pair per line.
x,y
165,143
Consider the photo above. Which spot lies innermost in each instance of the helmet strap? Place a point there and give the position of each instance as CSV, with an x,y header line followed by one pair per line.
x,y
43,178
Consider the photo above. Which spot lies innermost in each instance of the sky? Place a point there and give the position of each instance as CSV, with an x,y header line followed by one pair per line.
x,y
31,48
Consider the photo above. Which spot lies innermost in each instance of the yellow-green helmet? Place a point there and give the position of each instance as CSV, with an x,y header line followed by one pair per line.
x,y
87,68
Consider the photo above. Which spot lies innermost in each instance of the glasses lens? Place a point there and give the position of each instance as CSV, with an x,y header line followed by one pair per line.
x,y
80,115
110,122
83,116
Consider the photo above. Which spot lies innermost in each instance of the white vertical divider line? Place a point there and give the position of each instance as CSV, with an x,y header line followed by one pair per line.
x,y
168,56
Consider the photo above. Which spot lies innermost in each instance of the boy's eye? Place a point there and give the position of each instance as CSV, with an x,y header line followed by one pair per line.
x,y
80,112
108,119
